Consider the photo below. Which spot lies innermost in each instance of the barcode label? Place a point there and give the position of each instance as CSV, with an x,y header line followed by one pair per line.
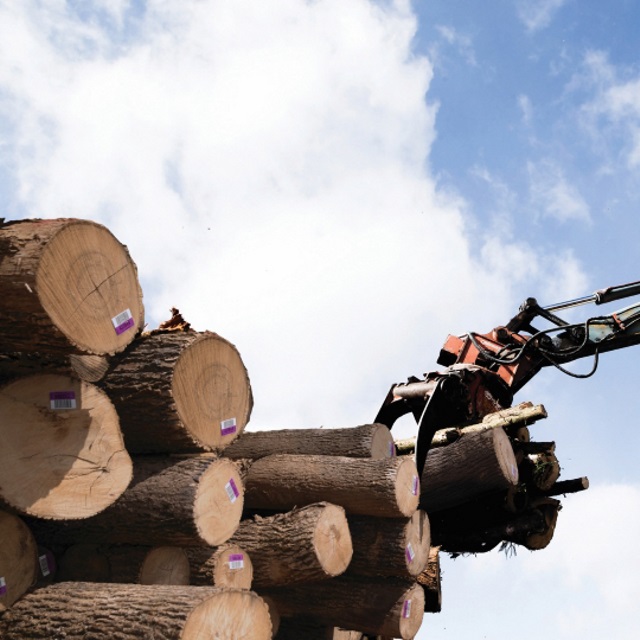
x,y
3,586
62,400
406,609
414,486
44,565
410,553
236,561
232,490
228,426
123,321
392,450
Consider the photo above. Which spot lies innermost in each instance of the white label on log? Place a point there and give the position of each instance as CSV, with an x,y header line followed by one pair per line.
x,y
414,486
123,321
228,426
62,400
44,565
410,553
3,586
232,490
236,561
406,609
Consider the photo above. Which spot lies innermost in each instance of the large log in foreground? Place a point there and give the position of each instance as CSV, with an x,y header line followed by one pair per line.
x,y
66,285
180,391
18,559
189,501
304,545
388,608
477,463
79,610
385,487
364,441
62,455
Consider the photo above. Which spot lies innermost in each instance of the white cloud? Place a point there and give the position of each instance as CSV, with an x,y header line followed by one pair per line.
x,y
266,165
553,195
462,43
538,14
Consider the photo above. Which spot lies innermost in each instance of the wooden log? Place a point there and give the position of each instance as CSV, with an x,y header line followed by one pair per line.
x,y
67,285
228,565
364,441
18,559
47,567
144,565
62,455
541,470
189,501
431,582
539,538
387,488
567,486
391,547
180,391
384,607
85,562
475,464
79,610
308,544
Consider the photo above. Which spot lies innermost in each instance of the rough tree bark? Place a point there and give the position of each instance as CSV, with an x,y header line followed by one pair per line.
x,y
475,464
391,547
18,559
304,545
385,607
67,285
62,455
180,391
364,441
190,501
79,610
383,487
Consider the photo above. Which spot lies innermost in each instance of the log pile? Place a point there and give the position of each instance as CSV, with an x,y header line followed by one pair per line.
x,y
128,481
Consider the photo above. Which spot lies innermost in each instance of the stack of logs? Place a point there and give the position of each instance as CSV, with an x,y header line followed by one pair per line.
x,y
133,499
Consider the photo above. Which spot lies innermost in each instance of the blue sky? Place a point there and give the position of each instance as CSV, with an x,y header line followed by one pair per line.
x,y
335,186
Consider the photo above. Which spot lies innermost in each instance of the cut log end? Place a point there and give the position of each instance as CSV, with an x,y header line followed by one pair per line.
x,y
331,540
411,613
62,455
219,501
211,389
88,286
407,487
165,565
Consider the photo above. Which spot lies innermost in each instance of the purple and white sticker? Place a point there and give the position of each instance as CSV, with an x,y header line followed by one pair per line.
x,y
406,609
62,399
414,486
228,427
236,561
3,586
44,565
409,552
123,321
232,490
392,449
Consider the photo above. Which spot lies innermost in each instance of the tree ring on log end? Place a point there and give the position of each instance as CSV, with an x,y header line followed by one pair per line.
x,y
418,543
407,486
88,286
211,390
228,615
62,454
382,444
165,565
411,611
332,547
219,502
505,456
